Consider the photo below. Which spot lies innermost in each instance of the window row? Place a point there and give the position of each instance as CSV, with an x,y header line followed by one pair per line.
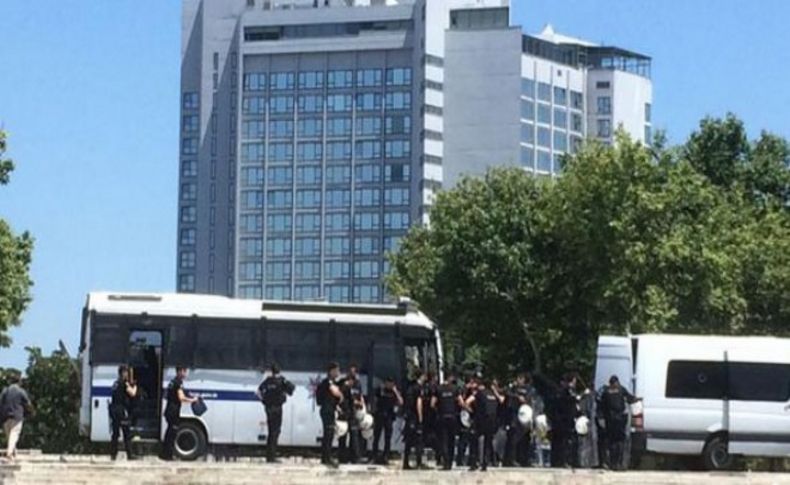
x,y
316,151
395,76
307,198
333,103
312,175
545,91
311,222
252,247
308,270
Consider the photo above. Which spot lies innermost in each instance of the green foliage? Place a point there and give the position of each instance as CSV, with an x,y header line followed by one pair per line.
x,y
634,239
15,258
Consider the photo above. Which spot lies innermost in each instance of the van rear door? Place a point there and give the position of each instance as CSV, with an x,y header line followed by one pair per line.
x,y
614,357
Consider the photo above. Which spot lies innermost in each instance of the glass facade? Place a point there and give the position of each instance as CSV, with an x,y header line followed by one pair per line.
x,y
325,162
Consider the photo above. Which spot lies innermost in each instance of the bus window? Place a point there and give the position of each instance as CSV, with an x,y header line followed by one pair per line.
x,y
297,346
226,345
180,343
108,340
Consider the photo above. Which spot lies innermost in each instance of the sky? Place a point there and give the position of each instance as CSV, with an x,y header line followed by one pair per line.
x,y
89,98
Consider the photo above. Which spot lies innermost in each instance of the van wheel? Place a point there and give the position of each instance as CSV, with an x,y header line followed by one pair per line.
x,y
716,455
191,442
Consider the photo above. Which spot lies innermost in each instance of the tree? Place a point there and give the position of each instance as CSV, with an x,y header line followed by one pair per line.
x,y
15,258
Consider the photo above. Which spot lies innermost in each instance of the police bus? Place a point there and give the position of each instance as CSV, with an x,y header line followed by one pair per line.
x,y
227,345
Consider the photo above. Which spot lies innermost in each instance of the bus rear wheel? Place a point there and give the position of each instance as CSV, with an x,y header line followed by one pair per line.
x,y
191,441
716,455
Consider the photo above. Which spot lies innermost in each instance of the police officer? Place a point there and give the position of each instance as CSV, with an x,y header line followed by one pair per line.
x,y
613,402
413,417
176,396
123,391
485,406
518,440
273,393
353,400
466,433
430,431
387,398
447,403
328,396
563,412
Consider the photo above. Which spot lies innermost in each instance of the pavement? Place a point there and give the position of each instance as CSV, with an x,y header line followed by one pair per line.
x,y
42,469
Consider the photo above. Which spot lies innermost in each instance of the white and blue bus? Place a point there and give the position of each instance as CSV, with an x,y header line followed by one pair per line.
x,y
227,345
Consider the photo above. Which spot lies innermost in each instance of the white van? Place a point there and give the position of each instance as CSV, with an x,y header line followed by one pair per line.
x,y
718,397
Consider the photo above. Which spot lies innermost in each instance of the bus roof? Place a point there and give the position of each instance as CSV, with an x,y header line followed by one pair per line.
x,y
187,304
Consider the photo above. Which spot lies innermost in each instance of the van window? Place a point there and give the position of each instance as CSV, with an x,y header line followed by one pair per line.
x,y
752,381
687,379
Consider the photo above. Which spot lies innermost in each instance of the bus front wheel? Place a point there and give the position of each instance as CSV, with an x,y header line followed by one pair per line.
x,y
191,441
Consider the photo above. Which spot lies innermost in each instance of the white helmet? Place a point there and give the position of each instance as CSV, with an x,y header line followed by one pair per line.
x,y
466,419
366,422
582,425
341,428
542,424
367,433
359,414
525,415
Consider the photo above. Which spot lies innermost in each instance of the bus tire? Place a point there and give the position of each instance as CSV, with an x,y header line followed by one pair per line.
x,y
191,441
716,455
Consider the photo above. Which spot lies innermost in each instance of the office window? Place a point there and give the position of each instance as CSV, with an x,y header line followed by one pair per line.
x,y
604,105
338,174
281,105
311,80
253,129
280,199
368,126
396,220
368,77
368,102
189,146
186,282
367,197
367,221
312,103
399,76
366,245
252,152
397,196
544,92
696,379
252,199
369,149
307,246
338,150
544,137
527,157
337,103
188,237
397,124
189,214
278,271
307,199
602,85
337,293
251,247
251,223
337,269
250,271
191,101
337,198
366,293
310,152
308,175
279,222
340,79
577,100
281,81
560,96
337,246
560,141
397,172
308,222
397,149
337,221
528,133
280,175
281,128
604,128
253,105
254,81
528,87
306,292
576,122
576,144
281,152
338,127
560,118
391,243
544,161
648,134
279,246
189,168
528,110
398,100
278,292
367,173
187,260
648,112
190,123
311,127
189,191
366,269
544,113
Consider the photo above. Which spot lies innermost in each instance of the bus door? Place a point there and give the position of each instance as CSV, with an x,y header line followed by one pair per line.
x,y
145,363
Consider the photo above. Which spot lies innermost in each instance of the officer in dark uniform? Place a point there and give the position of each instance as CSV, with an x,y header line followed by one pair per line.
x,y
430,432
613,401
447,403
387,398
176,396
518,436
563,410
328,396
412,414
353,400
273,393
123,391
465,433
485,405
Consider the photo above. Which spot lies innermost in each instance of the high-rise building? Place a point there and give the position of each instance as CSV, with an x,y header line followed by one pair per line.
x,y
314,133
